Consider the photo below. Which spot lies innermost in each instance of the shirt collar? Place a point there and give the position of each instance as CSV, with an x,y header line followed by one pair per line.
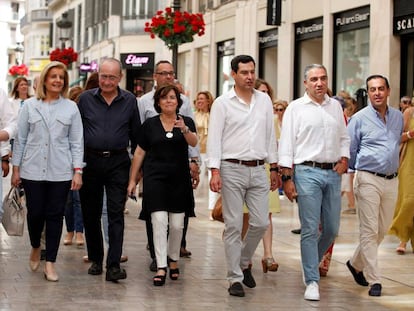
x,y
376,112
308,100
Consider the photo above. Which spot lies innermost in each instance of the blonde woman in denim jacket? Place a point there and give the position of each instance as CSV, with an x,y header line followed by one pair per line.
x,y
48,160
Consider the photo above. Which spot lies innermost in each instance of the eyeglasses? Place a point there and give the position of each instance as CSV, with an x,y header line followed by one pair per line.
x,y
279,109
108,77
166,73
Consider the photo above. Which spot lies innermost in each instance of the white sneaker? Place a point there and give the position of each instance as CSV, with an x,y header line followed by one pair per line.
x,y
312,291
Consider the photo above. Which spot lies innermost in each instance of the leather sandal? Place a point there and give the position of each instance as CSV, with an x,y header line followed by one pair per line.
x,y
159,279
174,273
269,264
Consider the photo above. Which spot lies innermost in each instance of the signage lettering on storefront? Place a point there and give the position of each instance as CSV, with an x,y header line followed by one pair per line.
x,y
268,38
312,28
301,30
403,25
356,18
88,67
137,60
352,19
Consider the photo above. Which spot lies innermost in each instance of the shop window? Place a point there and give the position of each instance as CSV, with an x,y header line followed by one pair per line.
x,y
203,69
352,60
225,53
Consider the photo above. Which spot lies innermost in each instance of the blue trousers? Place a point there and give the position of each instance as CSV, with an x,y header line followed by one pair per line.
x,y
46,202
319,201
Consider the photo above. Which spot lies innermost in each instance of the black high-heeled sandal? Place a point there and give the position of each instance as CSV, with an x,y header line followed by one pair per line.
x,y
159,280
174,273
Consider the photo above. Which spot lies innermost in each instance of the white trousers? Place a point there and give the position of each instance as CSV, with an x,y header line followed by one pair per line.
x,y
167,234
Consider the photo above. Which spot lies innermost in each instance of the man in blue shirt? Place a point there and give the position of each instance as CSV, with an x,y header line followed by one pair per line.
x,y
375,133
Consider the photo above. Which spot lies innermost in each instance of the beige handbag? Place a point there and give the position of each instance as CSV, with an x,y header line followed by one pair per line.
x,y
217,212
14,212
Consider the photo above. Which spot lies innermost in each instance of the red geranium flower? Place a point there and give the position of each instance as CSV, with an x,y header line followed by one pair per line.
x,y
66,56
18,70
175,27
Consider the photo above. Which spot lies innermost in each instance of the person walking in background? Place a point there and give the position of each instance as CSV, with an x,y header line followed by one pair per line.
x,y
202,105
241,139
8,130
403,223
48,161
348,178
73,211
111,123
164,74
268,262
167,190
375,133
315,142
19,93
405,102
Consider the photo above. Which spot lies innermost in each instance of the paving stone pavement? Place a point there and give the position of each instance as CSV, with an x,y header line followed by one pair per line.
x,y
202,284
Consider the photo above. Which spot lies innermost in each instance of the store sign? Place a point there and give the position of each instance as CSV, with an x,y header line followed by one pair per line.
x,y
88,67
404,25
226,48
137,60
309,29
274,12
352,19
268,38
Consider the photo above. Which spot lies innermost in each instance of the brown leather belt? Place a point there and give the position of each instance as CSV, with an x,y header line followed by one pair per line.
x,y
105,153
391,176
324,166
246,162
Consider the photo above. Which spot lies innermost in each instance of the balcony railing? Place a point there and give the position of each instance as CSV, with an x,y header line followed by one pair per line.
x,y
41,15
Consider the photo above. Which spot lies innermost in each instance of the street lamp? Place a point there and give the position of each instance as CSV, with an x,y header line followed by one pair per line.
x,y
19,53
64,25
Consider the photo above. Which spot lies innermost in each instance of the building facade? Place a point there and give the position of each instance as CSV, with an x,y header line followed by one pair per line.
x,y
351,38
11,48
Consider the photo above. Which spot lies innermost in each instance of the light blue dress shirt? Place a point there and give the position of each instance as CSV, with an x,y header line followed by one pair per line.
x,y
375,143
49,140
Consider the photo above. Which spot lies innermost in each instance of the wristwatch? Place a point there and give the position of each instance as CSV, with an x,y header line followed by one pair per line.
x,y
286,177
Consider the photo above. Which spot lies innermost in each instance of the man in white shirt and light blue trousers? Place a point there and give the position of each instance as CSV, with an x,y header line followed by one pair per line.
x,y
241,139
313,153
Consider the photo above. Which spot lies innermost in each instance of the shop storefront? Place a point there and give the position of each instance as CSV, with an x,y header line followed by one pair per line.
x,y
139,69
268,57
308,50
351,49
404,27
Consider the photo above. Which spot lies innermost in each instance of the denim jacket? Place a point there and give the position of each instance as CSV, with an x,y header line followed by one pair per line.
x,y
49,140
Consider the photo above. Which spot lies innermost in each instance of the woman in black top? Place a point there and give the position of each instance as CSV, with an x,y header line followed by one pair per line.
x,y
167,190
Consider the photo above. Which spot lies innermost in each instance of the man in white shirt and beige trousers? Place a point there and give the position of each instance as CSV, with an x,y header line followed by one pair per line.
x,y
241,139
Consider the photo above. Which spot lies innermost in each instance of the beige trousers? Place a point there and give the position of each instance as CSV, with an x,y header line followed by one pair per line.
x,y
375,197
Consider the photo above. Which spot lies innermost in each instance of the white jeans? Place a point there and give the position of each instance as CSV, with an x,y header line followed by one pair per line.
x,y
167,233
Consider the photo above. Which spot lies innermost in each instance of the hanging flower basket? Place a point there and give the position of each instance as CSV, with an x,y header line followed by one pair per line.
x,y
19,70
175,28
66,56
